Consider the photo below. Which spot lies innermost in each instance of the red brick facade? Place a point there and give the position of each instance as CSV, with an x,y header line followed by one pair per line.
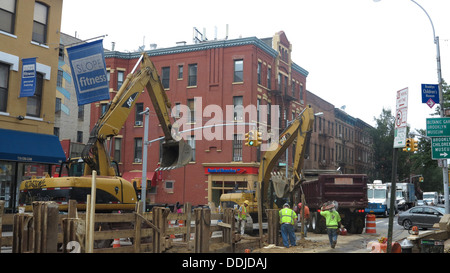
x,y
216,85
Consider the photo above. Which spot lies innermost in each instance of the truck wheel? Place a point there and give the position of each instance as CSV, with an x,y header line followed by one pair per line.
x,y
357,225
314,222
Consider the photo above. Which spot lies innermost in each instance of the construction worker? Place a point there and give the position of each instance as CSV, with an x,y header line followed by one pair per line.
x,y
242,216
306,217
333,221
287,220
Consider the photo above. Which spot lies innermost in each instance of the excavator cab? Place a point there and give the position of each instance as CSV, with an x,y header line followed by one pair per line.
x,y
175,154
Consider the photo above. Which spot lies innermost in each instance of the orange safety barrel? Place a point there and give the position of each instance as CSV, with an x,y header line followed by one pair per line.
x,y
371,226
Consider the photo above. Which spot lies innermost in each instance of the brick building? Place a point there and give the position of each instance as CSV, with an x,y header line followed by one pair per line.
x,y
338,141
238,72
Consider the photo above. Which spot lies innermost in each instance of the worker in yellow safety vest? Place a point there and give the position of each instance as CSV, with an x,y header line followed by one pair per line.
x,y
242,216
288,219
333,221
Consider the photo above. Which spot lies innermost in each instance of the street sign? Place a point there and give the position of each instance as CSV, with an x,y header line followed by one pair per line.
x,y
401,118
438,127
430,91
440,147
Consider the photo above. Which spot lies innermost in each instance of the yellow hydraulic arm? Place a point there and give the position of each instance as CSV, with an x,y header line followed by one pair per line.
x,y
175,153
299,130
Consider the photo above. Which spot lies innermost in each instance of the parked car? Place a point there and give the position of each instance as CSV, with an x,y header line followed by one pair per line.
x,y
421,216
420,202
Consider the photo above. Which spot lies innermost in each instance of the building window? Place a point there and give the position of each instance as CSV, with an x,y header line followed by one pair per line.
x,y
34,102
301,93
81,112
40,23
169,185
80,136
4,79
238,71
279,82
59,80
177,110
103,108
237,147
58,106
190,104
108,76
191,142
269,78
192,75
259,72
120,78
180,72
117,149
138,150
293,89
285,85
7,15
165,77
138,118
238,108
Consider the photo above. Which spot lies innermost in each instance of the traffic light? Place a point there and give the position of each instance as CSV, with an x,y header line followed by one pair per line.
x,y
415,145
258,140
408,146
250,138
421,179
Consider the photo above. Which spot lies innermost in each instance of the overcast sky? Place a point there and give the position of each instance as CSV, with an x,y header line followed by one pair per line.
x,y
358,53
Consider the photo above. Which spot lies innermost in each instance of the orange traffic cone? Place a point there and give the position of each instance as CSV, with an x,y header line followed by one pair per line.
x,y
116,243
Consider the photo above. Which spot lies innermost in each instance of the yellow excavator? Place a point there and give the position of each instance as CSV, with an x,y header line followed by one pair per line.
x,y
298,131
113,192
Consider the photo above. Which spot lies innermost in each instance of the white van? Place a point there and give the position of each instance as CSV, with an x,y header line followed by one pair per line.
x,y
431,197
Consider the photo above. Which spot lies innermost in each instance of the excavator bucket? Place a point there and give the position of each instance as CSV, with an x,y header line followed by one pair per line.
x,y
280,184
175,154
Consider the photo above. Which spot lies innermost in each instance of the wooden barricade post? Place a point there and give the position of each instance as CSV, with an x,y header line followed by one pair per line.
x,y
229,230
45,220
273,226
202,230
23,233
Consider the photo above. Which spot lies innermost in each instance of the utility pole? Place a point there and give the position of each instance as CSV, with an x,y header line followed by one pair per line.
x,y
392,199
144,159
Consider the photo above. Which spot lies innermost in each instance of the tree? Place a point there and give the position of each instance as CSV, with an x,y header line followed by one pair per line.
x,y
383,139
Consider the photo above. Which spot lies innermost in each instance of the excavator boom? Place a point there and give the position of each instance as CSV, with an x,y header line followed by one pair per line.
x,y
174,153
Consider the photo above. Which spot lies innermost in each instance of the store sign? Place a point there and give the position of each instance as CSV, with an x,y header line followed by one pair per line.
x,y
226,170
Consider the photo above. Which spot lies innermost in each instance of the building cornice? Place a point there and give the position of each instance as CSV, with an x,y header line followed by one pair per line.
x,y
204,46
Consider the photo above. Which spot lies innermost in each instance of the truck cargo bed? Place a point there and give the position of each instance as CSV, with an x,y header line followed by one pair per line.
x,y
349,190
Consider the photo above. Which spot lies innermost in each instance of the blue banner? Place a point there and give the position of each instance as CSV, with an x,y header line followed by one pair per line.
x,y
430,91
28,82
87,62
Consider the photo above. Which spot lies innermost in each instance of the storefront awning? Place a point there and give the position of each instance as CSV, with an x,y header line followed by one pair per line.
x,y
138,175
30,147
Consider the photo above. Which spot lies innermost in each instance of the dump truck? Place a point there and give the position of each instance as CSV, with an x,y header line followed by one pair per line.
x,y
348,190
